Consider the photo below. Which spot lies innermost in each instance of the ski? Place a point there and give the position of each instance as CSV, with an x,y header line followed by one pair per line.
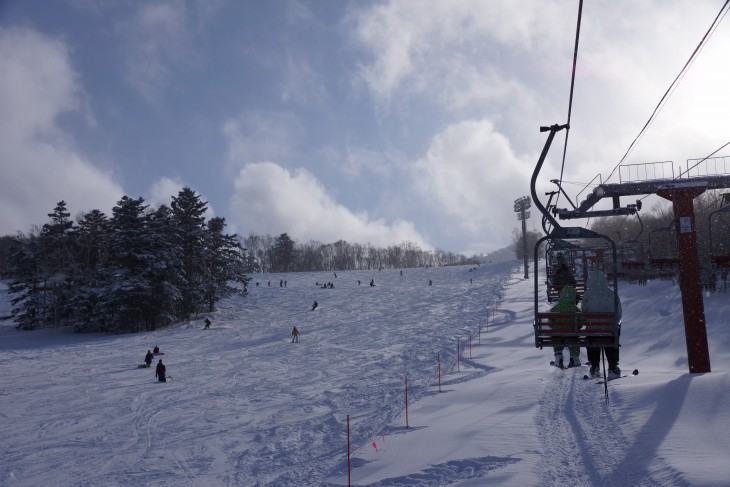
x,y
552,363
635,372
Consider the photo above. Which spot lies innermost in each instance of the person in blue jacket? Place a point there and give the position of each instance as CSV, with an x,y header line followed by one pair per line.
x,y
598,298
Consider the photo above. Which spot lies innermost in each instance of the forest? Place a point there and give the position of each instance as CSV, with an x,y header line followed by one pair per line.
x,y
143,267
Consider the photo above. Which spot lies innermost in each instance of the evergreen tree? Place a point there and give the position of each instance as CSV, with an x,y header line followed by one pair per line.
x,y
26,298
56,266
224,263
166,273
127,296
187,213
92,237
283,253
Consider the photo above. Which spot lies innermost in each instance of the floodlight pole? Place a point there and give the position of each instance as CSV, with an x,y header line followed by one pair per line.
x,y
524,245
693,307
521,207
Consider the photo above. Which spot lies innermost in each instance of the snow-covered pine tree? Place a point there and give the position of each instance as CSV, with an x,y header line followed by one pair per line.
x,y
127,296
56,266
224,263
283,253
92,236
188,212
26,299
166,273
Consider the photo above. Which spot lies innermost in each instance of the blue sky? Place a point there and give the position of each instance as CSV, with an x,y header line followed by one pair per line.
x,y
376,122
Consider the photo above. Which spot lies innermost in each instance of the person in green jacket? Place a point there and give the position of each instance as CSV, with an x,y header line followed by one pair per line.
x,y
566,305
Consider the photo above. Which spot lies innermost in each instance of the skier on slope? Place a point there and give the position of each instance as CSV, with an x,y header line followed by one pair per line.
x,y
598,298
148,358
160,372
566,305
295,335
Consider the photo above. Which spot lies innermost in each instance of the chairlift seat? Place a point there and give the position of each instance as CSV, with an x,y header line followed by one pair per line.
x,y
587,330
553,291
722,261
632,264
664,263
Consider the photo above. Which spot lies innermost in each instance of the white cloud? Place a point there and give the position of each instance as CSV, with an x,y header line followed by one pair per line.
x,y
257,136
158,35
162,191
468,180
270,199
418,49
38,161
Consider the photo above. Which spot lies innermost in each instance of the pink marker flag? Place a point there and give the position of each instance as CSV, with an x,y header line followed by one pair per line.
x,y
375,446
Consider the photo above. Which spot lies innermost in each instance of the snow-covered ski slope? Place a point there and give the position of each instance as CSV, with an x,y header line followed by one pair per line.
x,y
247,407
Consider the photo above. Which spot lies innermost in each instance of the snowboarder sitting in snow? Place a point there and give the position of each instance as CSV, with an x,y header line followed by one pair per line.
x,y
314,305
160,372
566,305
156,350
148,359
207,324
598,298
295,335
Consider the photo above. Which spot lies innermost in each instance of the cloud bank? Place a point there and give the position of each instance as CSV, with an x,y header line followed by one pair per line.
x,y
38,160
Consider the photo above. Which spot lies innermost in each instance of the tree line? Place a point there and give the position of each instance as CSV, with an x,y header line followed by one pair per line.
x,y
138,269
284,254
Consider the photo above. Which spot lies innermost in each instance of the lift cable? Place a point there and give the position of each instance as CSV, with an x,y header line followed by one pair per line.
x,y
705,38
572,86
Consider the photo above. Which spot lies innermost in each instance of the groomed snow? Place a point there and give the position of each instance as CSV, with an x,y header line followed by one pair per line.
x,y
246,407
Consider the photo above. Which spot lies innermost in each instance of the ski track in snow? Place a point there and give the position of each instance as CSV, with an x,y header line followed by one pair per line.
x,y
582,439
278,418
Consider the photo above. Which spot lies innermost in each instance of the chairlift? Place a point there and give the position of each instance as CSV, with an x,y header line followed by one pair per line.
x,y
631,256
664,257
719,251
588,329
594,258
559,253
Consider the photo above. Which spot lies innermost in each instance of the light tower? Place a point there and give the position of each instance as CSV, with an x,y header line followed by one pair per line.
x,y
521,207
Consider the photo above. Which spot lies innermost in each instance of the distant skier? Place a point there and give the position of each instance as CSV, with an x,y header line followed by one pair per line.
x,y
314,305
598,298
148,358
372,282
156,350
160,372
207,324
430,282
295,335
